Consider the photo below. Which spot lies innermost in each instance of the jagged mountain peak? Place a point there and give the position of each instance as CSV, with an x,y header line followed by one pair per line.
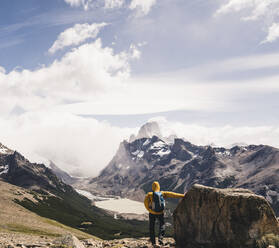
x,y
148,130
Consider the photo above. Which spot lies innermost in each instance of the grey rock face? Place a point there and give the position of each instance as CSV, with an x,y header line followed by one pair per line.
x,y
229,218
69,240
64,176
17,170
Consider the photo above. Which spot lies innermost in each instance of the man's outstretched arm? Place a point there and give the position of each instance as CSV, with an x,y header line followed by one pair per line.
x,y
169,194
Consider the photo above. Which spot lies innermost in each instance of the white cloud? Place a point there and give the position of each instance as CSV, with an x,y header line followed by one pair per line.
x,y
73,143
77,3
101,84
267,10
256,8
135,52
220,135
79,75
143,6
2,70
76,35
273,33
232,65
110,4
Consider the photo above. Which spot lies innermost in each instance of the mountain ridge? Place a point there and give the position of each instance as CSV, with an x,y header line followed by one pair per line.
x,y
179,165
53,199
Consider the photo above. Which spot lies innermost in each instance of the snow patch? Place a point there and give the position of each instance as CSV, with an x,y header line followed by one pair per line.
x,y
136,153
163,152
4,150
4,169
224,154
146,143
158,144
140,155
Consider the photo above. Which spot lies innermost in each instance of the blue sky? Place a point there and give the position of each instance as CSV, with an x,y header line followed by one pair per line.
x,y
111,65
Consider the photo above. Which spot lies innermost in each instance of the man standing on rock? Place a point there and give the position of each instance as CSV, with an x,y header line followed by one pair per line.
x,y
155,203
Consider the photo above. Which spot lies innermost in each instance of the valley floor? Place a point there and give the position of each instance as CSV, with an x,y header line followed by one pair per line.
x,y
20,227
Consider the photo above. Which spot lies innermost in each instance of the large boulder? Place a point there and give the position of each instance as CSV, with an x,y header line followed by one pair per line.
x,y
68,241
229,218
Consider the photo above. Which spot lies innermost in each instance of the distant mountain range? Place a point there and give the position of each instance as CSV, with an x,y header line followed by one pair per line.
x,y
177,165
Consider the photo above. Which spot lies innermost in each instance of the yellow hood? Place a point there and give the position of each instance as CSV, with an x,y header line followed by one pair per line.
x,y
155,186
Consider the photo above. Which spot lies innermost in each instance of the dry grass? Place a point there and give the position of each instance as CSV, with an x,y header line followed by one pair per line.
x,y
16,219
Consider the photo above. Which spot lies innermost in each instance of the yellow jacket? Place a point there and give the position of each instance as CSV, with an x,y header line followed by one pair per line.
x,y
149,196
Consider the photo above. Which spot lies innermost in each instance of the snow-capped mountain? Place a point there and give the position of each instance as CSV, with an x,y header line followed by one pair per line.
x,y
149,130
178,165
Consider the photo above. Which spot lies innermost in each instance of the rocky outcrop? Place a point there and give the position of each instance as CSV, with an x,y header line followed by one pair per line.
x,y
69,240
229,218
17,170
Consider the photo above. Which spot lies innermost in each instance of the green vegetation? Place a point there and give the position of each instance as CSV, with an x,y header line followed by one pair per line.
x,y
28,230
73,210
269,239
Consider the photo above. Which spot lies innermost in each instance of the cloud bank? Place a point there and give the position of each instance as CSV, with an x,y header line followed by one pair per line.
x,y
74,143
224,136
84,146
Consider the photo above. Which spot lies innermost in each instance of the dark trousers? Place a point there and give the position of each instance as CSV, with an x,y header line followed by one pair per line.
x,y
152,220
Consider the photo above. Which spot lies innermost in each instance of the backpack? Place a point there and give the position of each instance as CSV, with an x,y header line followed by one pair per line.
x,y
158,202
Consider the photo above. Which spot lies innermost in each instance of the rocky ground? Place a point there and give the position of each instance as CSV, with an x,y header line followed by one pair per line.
x,y
14,240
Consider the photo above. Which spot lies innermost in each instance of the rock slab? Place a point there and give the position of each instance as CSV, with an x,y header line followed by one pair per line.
x,y
229,218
